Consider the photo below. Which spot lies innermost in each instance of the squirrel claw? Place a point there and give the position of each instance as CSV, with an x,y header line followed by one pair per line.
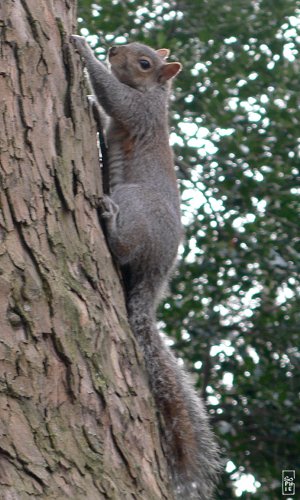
x,y
77,39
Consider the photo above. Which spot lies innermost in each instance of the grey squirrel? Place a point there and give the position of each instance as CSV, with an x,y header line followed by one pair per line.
x,y
142,216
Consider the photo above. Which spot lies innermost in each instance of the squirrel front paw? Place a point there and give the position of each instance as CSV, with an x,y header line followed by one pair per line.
x,y
80,44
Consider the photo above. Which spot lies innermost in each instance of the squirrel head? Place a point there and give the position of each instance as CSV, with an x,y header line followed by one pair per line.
x,y
141,67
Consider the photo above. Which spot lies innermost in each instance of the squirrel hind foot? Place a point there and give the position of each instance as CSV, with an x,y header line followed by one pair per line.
x,y
109,209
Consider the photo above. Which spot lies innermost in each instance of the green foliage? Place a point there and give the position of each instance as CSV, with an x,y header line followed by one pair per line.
x,y
234,310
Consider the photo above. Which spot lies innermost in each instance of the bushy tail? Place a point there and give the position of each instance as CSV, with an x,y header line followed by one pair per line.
x,y
190,446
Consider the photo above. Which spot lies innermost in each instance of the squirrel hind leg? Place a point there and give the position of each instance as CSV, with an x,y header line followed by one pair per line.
x,y
124,242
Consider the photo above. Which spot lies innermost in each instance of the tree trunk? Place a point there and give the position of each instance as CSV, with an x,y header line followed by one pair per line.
x,y
76,417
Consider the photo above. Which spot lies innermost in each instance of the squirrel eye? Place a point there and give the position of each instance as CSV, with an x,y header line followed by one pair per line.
x,y
144,64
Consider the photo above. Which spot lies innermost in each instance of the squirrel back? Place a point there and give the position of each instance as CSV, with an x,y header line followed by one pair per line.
x,y
144,230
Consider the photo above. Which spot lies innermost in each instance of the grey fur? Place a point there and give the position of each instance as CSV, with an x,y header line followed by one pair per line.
x,y
144,230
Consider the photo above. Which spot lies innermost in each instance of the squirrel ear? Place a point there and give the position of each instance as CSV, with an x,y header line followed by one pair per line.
x,y
163,53
169,70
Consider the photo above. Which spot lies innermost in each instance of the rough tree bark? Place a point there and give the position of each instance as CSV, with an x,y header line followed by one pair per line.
x,y
76,417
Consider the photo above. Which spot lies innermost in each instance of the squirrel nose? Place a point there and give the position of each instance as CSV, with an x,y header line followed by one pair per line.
x,y
113,50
